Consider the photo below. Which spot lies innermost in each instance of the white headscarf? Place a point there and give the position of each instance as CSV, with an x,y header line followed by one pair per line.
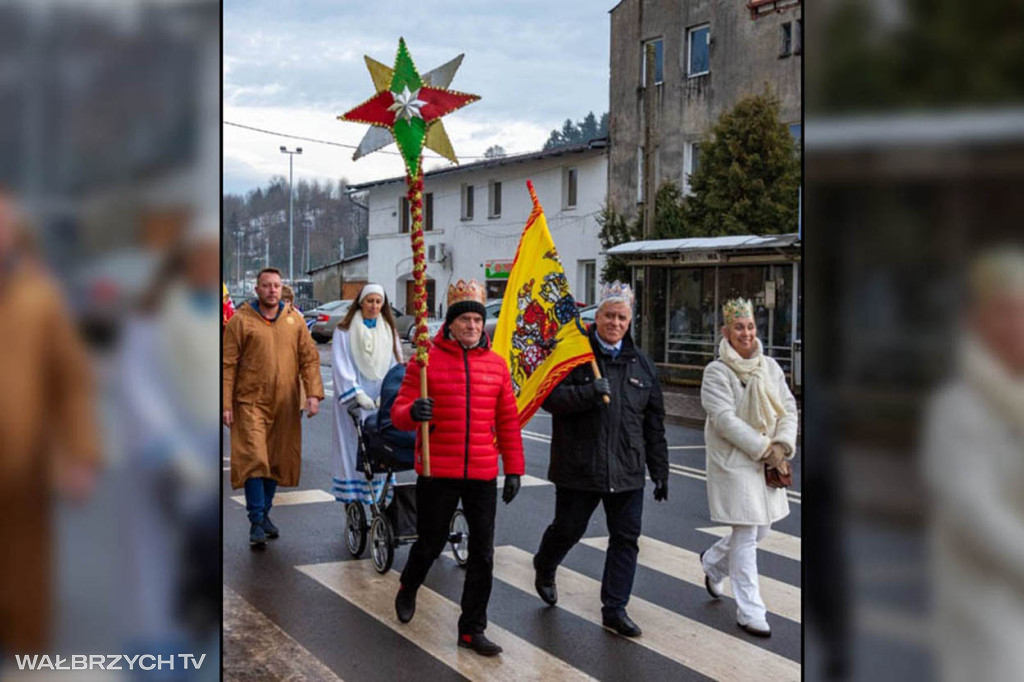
x,y
758,406
371,289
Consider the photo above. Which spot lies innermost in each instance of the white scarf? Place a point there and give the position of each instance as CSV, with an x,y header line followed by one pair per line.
x,y
371,348
759,406
1002,392
191,349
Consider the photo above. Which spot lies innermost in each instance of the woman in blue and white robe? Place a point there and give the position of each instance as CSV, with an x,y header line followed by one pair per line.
x,y
365,346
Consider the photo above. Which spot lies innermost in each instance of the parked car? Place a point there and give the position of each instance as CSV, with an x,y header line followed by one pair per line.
x,y
326,318
491,323
105,291
587,315
403,322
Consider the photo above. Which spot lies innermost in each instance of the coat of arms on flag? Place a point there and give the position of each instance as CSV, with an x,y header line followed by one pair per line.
x,y
542,341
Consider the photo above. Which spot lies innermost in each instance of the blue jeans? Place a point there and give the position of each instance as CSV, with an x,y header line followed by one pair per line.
x,y
259,498
573,509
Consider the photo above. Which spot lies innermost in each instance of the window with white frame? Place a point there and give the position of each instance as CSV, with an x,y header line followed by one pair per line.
x,y
467,202
786,48
691,162
587,290
494,199
569,187
698,50
659,61
405,213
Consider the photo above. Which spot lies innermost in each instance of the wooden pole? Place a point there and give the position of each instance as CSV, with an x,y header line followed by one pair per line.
x,y
419,274
650,190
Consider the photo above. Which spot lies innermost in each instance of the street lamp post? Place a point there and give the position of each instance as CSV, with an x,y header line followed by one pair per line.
x,y
291,196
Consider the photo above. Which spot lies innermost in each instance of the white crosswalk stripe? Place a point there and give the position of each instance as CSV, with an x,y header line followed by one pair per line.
x,y
686,641
434,627
776,542
780,598
283,499
525,481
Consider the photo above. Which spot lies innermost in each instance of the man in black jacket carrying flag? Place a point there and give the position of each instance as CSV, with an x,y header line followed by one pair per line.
x,y
598,455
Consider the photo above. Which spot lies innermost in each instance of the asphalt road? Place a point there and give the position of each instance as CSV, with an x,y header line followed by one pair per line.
x,y
305,602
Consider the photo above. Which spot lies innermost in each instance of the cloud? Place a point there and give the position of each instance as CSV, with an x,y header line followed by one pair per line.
x,y
533,63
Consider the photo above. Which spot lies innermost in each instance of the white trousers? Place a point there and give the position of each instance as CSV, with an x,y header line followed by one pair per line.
x,y
735,557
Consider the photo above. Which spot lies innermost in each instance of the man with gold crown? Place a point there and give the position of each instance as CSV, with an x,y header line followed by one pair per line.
x,y
599,449
473,420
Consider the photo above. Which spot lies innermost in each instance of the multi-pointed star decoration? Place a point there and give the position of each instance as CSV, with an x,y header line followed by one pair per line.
x,y
408,109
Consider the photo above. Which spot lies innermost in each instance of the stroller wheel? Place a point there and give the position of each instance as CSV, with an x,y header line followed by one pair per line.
x,y
382,545
355,528
458,536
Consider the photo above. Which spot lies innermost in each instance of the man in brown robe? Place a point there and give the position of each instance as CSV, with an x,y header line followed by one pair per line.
x,y
48,431
266,349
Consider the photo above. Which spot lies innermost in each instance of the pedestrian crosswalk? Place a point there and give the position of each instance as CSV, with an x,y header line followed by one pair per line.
x,y
282,499
433,628
776,542
689,642
780,598
699,647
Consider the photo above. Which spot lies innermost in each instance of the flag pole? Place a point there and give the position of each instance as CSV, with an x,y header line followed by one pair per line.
x,y
419,274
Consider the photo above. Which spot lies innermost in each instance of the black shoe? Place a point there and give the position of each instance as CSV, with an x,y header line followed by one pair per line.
x,y
622,624
257,536
480,644
545,585
708,585
405,604
270,529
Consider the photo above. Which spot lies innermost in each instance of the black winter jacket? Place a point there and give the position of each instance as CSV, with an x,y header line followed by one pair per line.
x,y
602,447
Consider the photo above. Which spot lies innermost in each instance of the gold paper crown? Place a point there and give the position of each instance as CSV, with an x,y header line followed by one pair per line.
x,y
736,309
466,291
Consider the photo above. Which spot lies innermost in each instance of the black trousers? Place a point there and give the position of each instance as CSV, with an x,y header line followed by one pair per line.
x,y
436,501
573,509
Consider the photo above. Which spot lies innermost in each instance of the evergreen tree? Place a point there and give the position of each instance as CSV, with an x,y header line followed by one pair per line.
x,y
615,230
582,132
749,174
495,152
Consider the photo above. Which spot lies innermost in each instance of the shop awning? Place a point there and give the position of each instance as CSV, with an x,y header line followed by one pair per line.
x,y
665,247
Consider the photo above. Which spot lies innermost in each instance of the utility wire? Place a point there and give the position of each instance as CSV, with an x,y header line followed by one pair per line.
x,y
331,143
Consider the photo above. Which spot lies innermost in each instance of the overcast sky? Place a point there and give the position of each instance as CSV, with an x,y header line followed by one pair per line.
x,y
293,67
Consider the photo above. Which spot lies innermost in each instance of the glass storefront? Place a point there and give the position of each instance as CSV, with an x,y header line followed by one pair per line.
x,y
687,317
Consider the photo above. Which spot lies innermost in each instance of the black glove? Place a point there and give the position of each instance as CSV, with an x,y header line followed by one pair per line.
x,y
422,409
511,488
660,490
602,387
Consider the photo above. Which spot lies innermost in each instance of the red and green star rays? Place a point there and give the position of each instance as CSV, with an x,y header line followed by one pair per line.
x,y
408,108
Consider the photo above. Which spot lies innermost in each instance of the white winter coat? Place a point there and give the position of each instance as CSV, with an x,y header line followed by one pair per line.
x,y
737,493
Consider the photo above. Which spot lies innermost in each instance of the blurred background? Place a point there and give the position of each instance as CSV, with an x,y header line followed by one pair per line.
x,y
914,469
109,314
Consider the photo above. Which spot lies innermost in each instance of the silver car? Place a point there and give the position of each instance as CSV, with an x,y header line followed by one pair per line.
x,y
326,318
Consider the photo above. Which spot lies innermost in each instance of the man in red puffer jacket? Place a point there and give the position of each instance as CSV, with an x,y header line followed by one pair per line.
x,y
473,419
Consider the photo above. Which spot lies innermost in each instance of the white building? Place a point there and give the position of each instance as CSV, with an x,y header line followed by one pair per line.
x,y
474,215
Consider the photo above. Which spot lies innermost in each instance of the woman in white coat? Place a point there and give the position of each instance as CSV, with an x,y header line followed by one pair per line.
x,y
751,424
364,347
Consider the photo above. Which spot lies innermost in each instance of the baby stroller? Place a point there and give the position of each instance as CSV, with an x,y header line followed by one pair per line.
x,y
383,449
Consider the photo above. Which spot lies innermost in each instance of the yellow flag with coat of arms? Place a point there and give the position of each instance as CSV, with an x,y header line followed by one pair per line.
x,y
538,332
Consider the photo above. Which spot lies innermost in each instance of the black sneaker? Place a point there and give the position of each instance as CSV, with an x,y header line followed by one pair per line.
x,y
257,536
622,624
405,603
480,644
270,529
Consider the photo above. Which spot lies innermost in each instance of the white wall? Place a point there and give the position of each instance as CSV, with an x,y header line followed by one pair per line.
x,y
472,242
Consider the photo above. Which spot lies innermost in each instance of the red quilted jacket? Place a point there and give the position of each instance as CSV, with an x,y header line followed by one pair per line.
x,y
469,388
